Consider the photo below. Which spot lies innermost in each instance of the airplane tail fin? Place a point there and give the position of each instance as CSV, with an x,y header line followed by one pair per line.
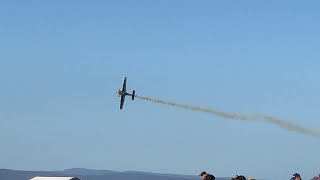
x,y
133,92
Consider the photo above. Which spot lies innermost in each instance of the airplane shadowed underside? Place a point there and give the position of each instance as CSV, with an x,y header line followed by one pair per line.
x,y
123,93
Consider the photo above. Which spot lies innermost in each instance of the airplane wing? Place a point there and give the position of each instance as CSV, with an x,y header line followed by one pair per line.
x,y
122,101
124,86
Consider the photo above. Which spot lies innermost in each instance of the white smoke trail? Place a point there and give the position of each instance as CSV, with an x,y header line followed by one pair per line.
x,y
256,117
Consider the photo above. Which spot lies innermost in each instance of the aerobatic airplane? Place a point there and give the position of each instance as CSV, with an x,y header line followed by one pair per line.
x,y
123,93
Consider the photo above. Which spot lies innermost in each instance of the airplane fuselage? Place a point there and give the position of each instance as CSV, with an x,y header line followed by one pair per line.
x,y
123,93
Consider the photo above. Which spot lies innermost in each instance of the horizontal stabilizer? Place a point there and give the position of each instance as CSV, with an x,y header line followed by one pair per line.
x,y
133,92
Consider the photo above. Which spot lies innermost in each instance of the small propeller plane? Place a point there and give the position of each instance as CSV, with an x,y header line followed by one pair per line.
x,y
123,93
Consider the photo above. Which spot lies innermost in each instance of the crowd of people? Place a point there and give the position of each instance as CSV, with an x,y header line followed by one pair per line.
x,y
205,176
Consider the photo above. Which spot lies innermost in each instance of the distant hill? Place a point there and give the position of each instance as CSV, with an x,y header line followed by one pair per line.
x,y
90,174
83,171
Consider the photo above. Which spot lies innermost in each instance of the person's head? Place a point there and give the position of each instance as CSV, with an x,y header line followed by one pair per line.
x,y
316,178
241,177
296,176
203,175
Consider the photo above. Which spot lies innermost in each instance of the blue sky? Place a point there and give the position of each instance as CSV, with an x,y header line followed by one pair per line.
x,y
61,63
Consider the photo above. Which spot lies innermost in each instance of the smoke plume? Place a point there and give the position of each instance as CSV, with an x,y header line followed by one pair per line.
x,y
253,117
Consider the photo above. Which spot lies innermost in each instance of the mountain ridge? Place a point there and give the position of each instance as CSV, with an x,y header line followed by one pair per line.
x,y
92,174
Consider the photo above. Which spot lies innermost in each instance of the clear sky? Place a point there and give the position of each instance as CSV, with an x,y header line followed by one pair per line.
x,y
61,63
